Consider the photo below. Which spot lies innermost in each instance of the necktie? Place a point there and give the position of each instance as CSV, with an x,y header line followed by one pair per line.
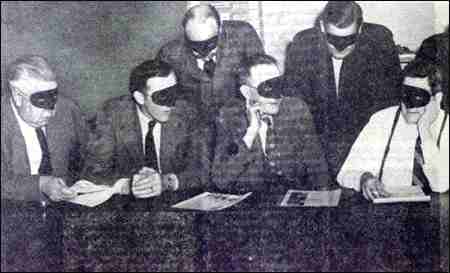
x,y
46,165
419,177
151,159
209,67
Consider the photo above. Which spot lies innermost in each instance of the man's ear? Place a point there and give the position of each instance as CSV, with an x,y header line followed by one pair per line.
x,y
139,97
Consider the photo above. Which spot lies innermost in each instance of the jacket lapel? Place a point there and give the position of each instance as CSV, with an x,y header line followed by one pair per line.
x,y
130,133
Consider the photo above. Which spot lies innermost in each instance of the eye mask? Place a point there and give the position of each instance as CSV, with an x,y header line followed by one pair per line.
x,y
45,99
341,43
414,97
204,47
166,97
271,88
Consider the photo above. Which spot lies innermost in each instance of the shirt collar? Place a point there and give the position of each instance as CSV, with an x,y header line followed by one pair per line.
x,y
143,118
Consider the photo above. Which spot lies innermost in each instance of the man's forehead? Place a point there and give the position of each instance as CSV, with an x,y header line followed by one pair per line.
x,y
350,30
422,83
158,83
32,85
264,72
201,29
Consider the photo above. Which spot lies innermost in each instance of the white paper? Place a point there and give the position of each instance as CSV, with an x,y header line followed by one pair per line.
x,y
296,198
211,201
91,195
404,194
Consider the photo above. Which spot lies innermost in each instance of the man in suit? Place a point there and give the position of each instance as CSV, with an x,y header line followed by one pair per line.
x,y
266,142
205,57
346,70
42,135
148,136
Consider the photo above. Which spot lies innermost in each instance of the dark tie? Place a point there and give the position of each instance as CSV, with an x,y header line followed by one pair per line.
x,y
46,165
151,159
419,177
209,67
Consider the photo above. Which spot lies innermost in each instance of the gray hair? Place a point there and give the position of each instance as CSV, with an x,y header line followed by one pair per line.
x,y
33,66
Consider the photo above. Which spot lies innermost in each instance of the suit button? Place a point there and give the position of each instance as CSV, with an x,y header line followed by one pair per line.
x,y
280,173
272,164
272,146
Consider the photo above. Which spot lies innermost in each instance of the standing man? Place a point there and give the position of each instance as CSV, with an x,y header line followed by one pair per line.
x,y
346,70
148,136
267,142
205,57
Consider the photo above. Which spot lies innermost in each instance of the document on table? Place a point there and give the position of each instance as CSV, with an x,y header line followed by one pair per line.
x,y
404,194
91,195
211,201
296,198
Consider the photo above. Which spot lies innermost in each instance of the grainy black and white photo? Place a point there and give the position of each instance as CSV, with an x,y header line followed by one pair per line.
x,y
224,136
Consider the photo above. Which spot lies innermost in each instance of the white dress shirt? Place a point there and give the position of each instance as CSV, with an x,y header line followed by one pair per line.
x,y
201,61
337,65
367,153
144,120
33,147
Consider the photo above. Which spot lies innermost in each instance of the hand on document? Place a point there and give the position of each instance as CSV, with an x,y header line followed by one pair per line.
x,y
91,195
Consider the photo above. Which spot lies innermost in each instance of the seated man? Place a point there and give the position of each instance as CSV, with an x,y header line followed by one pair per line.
x,y
42,135
148,135
403,145
266,142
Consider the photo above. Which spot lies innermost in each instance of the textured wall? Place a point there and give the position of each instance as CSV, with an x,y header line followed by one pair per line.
x,y
92,45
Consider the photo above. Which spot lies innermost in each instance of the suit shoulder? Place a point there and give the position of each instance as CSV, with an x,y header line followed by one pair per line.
x,y
306,35
237,24
295,104
117,104
68,104
377,31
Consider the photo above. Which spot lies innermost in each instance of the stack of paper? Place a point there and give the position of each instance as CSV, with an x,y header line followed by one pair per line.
x,y
404,194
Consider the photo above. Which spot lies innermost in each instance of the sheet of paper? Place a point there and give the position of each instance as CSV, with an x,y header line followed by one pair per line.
x,y
211,201
91,195
404,194
296,198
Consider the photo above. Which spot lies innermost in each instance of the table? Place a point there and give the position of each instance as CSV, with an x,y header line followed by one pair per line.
x,y
256,235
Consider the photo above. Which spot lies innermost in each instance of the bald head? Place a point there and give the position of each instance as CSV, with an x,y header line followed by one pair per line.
x,y
201,22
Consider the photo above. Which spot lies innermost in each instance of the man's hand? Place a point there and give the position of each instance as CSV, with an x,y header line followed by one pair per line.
x,y
373,188
147,183
431,114
253,113
55,188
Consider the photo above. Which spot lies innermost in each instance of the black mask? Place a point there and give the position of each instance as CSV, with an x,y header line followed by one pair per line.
x,y
342,42
204,47
414,97
45,99
166,97
271,88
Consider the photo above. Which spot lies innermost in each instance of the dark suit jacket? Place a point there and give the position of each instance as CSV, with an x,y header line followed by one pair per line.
x,y
370,81
116,150
237,40
66,135
295,157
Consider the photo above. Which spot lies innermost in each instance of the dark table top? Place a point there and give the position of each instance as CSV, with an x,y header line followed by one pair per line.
x,y
256,234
